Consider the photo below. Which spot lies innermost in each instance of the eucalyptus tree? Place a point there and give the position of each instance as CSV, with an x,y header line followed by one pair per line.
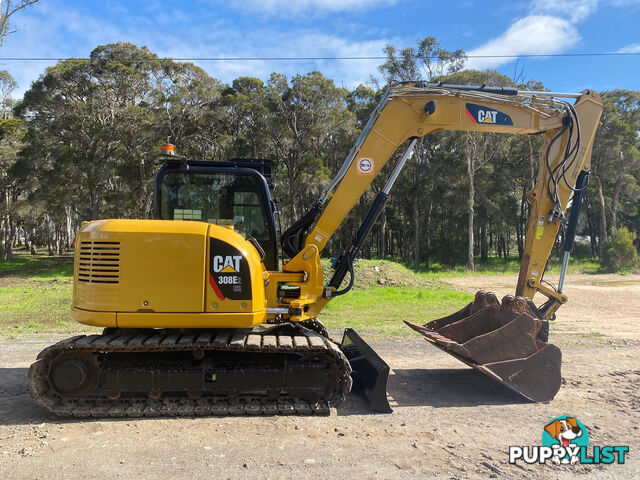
x,y
427,61
100,120
11,136
8,8
7,87
305,114
616,162
85,115
246,103
480,149
189,110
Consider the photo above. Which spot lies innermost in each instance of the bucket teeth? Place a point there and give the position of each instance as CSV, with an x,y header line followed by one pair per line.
x,y
500,339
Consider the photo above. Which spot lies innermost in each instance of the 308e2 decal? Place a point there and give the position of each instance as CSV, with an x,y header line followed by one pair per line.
x,y
229,274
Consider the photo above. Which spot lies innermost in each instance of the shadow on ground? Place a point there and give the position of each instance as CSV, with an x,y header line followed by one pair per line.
x,y
16,405
448,387
444,387
407,388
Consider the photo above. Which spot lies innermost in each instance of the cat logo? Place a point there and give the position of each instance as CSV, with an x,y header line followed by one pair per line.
x,y
487,116
481,114
229,271
227,264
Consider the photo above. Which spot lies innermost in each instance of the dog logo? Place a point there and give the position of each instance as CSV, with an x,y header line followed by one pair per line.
x,y
570,434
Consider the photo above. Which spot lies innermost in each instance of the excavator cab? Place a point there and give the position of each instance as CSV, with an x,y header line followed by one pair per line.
x,y
233,194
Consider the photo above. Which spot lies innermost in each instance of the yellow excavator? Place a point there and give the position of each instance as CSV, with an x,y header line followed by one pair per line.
x,y
199,320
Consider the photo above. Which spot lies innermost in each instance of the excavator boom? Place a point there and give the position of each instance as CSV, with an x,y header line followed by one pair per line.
x,y
505,341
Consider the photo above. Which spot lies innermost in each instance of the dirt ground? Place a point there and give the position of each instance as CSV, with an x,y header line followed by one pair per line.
x,y
449,421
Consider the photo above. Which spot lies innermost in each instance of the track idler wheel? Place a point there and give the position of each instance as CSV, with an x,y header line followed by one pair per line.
x,y
74,375
501,340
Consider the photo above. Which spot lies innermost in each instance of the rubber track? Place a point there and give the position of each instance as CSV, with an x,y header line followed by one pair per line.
x,y
150,341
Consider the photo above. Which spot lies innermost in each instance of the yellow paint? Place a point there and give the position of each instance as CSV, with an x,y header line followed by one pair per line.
x,y
96,319
190,320
311,290
158,269
403,118
538,244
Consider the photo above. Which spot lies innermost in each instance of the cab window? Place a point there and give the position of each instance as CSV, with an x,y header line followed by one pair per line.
x,y
217,198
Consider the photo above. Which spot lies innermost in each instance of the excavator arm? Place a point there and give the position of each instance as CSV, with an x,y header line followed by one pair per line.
x,y
505,340
411,110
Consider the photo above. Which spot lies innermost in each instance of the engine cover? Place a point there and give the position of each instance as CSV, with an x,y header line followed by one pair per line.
x,y
166,274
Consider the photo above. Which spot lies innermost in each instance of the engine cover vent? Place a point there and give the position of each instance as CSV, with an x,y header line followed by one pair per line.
x,y
99,262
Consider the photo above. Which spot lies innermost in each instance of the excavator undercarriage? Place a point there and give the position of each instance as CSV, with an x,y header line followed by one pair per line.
x,y
281,369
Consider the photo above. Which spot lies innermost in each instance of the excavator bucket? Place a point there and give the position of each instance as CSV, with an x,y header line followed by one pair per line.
x,y
369,372
501,341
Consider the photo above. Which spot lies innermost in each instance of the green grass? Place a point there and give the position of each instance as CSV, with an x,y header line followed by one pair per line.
x,y
38,267
511,265
35,294
35,306
381,311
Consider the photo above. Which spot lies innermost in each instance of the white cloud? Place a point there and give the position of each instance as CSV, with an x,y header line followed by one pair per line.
x,y
63,30
633,48
301,43
574,10
294,7
535,34
550,28
51,31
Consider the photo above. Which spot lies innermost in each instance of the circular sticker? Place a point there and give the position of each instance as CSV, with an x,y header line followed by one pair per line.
x,y
365,165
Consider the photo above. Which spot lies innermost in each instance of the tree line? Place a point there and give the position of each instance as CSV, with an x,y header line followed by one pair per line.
x,y
83,141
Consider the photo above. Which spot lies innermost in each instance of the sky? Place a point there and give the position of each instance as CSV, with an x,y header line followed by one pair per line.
x,y
341,28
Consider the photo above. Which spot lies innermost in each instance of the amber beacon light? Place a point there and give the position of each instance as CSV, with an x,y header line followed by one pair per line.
x,y
168,149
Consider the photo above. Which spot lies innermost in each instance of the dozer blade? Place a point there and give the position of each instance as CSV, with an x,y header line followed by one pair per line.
x,y
501,341
370,372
